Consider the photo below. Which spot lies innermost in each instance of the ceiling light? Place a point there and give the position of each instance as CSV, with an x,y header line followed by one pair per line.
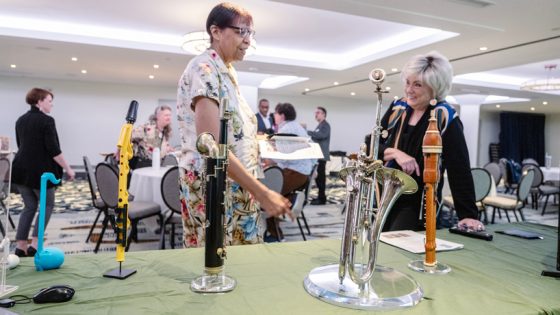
x,y
335,83
306,89
151,76
156,66
278,81
483,48
13,66
84,71
197,42
498,105
545,103
394,69
352,93
532,108
74,59
548,84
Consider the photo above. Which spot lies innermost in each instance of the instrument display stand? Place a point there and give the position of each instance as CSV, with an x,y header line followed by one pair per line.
x,y
119,273
437,269
388,289
213,283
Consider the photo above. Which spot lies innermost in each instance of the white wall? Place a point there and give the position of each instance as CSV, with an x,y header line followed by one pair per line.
x,y
489,133
88,115
551,140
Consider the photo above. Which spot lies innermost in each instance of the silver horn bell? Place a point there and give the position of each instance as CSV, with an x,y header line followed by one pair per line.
x,y
372,189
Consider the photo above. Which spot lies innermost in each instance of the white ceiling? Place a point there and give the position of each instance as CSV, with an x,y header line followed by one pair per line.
x,y
323,40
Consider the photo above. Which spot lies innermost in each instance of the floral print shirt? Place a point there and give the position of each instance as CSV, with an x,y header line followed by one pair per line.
x,y
146,138
208,76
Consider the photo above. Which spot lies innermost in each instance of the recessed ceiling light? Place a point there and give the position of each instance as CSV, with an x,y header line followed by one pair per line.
x,y
335,83
13,66
74,59
84,71
387,88
394,69
498,105
545,103
532,108
156,66
352,93
151,76
306,89
483,48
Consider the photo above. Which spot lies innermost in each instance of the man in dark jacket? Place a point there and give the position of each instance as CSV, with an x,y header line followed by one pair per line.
x,y
264,122
321,135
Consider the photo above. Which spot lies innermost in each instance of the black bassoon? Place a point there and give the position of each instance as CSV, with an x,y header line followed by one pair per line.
x,y
216,188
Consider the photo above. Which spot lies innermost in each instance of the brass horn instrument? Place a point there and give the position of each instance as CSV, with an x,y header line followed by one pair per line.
x,y
371,190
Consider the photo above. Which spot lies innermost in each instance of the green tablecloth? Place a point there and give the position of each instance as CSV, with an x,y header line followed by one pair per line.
x,y
498,277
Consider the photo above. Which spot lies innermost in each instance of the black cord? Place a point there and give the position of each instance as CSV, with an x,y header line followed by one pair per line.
x,y
23,299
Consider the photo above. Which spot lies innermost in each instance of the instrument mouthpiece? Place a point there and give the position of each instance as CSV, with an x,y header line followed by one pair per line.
x,y
377,76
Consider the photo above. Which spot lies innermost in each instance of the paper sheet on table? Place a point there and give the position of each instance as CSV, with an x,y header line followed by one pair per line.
x,y
289,148
414,242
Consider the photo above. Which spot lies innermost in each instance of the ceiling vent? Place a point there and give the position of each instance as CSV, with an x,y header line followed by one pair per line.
x,y
474,3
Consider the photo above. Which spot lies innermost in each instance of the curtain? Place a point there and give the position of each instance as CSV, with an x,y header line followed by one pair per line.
x,y
522,136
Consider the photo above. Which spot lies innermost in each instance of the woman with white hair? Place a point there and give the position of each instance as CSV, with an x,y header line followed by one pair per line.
x,y
427,80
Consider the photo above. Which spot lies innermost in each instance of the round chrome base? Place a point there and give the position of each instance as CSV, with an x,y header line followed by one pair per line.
x,y
438,268
213,283
387,290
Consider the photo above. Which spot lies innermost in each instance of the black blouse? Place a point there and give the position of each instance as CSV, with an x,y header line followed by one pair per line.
x,y
454,159
38,144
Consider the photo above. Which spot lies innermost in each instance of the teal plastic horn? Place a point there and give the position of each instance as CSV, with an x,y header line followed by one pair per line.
x,y
50,257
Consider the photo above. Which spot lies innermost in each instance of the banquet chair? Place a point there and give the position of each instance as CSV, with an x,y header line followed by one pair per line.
x,y
494,169
95,199
509,204
169,160
301,200
170,194
482,185
4,191
274,179
108,184
529,161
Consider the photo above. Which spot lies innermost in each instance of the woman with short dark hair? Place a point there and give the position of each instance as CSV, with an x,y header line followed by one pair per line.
x,y
38,152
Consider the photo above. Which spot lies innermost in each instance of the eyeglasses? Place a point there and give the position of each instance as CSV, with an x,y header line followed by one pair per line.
x,y
243,32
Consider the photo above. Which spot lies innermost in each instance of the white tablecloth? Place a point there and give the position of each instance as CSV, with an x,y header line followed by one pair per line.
x,y
552,173
145,184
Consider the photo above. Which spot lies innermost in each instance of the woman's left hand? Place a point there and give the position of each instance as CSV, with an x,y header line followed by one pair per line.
x,y
471,224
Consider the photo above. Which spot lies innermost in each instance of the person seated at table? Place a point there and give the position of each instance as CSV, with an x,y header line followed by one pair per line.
x,y
427,80
295,172
153,134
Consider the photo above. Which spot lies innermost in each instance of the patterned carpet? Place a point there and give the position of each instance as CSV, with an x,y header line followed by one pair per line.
x,y
74,216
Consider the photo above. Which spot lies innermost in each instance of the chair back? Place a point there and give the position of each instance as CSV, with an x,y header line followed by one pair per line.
x,y
4,178
538,178
525,184
309,184
273,178
482,183
494,169
529,161
90,174
169,160
170,191
108,184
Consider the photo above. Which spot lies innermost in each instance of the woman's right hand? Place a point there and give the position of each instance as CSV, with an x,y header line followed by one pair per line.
x,y
275,204
406,162
70,174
